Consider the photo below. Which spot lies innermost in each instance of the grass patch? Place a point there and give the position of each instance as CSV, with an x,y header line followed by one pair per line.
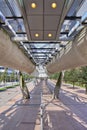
x,y
2,89
16,85
8,87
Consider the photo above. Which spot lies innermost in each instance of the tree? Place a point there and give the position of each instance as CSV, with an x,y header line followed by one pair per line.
x,y
4,75
26,76
12,76
84,76
0,76
54,76
71,76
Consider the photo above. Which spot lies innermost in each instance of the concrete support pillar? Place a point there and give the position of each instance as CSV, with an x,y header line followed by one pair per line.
x,y
23,87
58,86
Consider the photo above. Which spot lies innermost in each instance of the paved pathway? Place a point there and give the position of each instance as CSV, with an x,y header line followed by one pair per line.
x,y
72,113
18,114
67,113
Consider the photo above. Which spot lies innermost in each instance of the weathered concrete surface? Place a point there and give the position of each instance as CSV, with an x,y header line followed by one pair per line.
x,y
11,56
74,55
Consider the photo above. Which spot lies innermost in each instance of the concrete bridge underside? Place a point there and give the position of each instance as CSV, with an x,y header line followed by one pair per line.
x,y
11,56
74,55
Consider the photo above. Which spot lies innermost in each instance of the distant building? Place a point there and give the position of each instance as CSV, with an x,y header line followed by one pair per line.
x,y
9,71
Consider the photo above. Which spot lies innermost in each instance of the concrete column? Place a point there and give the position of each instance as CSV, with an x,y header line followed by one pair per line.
x,y
23,87
58,86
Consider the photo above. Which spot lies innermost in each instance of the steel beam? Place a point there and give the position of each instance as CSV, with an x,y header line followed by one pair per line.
x,y
41,48
20,32
14,17
72,17
39,42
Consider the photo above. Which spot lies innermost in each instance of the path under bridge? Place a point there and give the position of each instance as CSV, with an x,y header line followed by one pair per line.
x,y
42,112
42,38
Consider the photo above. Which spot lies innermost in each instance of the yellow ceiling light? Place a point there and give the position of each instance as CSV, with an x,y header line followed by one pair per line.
x,y
53,5
36,35
33,5
49,35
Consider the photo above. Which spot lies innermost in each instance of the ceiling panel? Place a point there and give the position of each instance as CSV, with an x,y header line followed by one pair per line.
x,y
37,10
51,22
35,22
49,38
49,10
43,18
37,38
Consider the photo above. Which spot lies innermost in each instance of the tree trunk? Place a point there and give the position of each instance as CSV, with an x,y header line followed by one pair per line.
x,y
86,88
58,86
23,87
73,85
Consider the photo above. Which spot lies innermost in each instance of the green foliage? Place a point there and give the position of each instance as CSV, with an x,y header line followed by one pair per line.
x,y
13,86
77,76
12,76
26,77
3,89
8,87
0,76
54,76
3,76
83,75
71,75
